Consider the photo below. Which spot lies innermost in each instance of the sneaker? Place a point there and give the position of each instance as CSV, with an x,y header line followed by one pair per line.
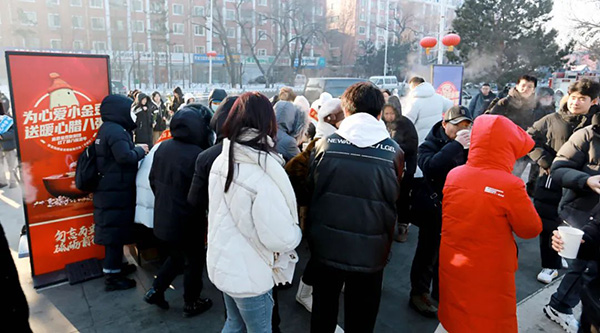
x,y
423,305
304,296
402,235
157,298
547,275
566,321
196,307
117,282
565,264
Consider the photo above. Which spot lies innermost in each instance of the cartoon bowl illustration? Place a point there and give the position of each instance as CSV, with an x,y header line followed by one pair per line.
x,y
63,184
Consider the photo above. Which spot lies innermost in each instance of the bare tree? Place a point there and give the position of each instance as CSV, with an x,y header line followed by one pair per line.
x,y
588,29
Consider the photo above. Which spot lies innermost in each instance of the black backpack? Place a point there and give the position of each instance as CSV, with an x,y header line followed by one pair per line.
x,y
87,176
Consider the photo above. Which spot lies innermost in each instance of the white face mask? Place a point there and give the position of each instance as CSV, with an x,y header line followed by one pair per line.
x,y
133,116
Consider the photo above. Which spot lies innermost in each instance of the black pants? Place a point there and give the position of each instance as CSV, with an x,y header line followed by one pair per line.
x,y
190,258
113,258
361,299
424,270
308,277
550,258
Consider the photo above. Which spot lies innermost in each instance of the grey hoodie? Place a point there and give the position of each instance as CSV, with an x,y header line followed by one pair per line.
x,y
291,124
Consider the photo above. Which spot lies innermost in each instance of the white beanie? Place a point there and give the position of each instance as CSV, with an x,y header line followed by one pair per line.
x,y
302,103
328,107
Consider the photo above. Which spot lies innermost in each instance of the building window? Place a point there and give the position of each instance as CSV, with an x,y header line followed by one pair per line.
x,y
99,46
178,28
54,20
139,47
177,9
77,45
96,3
77,22
230,32
177,48
120,25
156,7
32,43
28,18
56,44
200,50
198,11
319,11
363,17
53,2
262,34
262,2
138,26
230,15
262,20
262,52
138,6
199,30
97,23
361,30
76,3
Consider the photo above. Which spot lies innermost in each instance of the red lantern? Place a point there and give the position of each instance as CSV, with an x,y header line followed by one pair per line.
x,y
211,53
451,41
427,43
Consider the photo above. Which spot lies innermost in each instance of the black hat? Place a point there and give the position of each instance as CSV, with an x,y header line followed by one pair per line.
x,y
456,114
217,95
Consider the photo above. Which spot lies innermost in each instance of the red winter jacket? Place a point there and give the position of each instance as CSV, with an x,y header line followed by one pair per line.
x,y
483,205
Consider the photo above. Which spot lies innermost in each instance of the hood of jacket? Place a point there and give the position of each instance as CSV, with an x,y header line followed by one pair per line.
x,y
220,116
363,130
117,109
290,119
497,143
423,90
191,125
140,98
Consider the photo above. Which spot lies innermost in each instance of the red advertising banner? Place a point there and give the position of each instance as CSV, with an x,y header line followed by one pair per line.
x,y
56,106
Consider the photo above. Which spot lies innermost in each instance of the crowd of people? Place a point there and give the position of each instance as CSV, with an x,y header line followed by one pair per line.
x,y
236,185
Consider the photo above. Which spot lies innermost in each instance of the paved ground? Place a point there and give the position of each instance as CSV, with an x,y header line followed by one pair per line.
x,y
87,308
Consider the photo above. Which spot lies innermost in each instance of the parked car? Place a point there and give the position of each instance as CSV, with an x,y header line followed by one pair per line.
x,y
118,88
333,85
391,83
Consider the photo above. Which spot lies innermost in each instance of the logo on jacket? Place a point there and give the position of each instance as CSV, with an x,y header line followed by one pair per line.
x,y
494,191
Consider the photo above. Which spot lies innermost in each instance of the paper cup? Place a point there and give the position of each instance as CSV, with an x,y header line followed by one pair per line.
x,y
572,240
465,131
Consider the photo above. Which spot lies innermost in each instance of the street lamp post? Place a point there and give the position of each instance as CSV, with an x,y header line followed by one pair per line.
x,y
209,41
387,24
440,59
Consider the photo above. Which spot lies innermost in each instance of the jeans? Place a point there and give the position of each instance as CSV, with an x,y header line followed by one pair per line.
x,y
424,269
113,259
250,314
189,258
361,299
569,291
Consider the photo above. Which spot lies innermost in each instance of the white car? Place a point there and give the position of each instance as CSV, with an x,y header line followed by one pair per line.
x,y
389,82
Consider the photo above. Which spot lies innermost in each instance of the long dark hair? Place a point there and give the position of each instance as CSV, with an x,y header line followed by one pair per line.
x,y
250,110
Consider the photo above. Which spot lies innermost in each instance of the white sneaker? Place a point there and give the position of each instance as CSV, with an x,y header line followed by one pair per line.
x,y
304,295
338,329
547,275
566,321
565,264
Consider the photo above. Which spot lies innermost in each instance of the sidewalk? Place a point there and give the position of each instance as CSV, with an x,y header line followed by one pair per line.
x,y
530,314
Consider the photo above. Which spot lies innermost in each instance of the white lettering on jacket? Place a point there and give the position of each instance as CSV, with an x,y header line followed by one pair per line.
x,y
377,146
494,191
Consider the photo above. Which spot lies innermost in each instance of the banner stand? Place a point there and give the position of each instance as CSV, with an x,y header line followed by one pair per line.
x,y
447,80
48,279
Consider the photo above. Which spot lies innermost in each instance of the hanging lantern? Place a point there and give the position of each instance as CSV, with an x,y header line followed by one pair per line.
x,y
211,54
451,40
427,43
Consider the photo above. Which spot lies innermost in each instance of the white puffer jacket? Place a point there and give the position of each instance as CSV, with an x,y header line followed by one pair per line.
x,y
144,197
425,109
247,225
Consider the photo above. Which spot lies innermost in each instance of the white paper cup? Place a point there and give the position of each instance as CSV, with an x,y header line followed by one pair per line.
x,y
572,240
465,131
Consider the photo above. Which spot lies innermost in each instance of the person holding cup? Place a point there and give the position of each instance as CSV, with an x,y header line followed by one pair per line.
x,y
577,170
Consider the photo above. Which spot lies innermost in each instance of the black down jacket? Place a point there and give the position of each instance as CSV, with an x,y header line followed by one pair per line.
x,y
550,133
171,175
353,209
575,162
143,121
117,159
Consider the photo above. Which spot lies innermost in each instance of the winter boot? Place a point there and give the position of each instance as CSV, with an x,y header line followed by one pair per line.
x,y
196,307
117,282
156,297
304,295
424,305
